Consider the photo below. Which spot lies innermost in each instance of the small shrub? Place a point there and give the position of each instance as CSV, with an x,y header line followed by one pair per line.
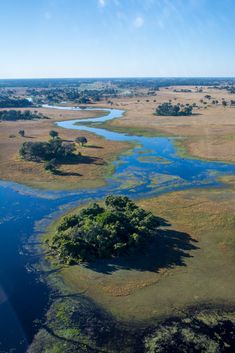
x,y
81,140
21,133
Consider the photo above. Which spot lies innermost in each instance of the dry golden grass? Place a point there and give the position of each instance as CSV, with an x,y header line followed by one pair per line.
x,y
13,168
209,133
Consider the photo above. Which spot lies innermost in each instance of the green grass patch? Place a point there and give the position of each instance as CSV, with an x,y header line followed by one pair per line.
x,y
153,159
203,215
194,270
129,130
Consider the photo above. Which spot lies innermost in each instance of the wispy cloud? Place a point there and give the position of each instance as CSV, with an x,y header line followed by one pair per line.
x,y
102,3
138,22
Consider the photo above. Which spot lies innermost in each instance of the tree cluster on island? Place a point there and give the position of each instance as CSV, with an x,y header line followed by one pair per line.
x,y
118,228
169,109
52,152
7,102
14,115
45,151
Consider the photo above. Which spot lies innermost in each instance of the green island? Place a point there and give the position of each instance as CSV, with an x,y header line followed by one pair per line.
x,y
178,273
117,176
150,267
118,228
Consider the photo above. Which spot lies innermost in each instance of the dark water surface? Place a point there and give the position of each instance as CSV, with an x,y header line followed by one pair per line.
x,y
150,169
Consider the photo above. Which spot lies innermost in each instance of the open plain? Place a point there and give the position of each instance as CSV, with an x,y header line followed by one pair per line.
x,y
98,153
208,133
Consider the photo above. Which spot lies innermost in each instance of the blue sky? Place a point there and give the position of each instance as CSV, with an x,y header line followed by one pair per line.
x,y
113,38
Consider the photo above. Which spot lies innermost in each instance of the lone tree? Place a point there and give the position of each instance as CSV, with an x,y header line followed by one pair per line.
x,y
81,140
232,102
224,103
21,133
53,134
118,228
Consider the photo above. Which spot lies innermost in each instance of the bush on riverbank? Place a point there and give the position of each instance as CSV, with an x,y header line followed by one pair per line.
x,y
119,227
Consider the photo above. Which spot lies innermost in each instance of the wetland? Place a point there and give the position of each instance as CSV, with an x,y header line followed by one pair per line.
x,y
94,307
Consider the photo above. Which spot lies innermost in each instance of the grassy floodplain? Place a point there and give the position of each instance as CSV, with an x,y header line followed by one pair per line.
x,y
99,152
189,270
207,134
191,264
186,279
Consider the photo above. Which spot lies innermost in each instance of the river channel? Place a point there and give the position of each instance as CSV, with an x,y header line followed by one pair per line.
x,y
151,168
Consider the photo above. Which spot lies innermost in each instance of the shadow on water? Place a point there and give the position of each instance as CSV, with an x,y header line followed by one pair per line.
x,y
170,248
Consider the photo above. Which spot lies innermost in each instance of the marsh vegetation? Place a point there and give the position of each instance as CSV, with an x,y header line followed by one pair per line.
x,y
114,265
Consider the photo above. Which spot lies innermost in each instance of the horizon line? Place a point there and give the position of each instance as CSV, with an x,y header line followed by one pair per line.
x,y
118,77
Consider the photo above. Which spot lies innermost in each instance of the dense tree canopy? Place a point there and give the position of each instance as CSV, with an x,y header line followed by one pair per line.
x,y
119,227
6,102
13,115
168,109
45,151
73,94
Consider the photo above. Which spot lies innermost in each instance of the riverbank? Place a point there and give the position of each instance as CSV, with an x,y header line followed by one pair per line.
x,y
149,288
207,134
100,153
190,270
198,232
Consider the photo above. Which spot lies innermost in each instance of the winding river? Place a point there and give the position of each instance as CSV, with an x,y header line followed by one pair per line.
x,y
153,167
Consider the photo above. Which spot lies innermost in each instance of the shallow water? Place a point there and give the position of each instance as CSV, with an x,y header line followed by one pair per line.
x,y
152,168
